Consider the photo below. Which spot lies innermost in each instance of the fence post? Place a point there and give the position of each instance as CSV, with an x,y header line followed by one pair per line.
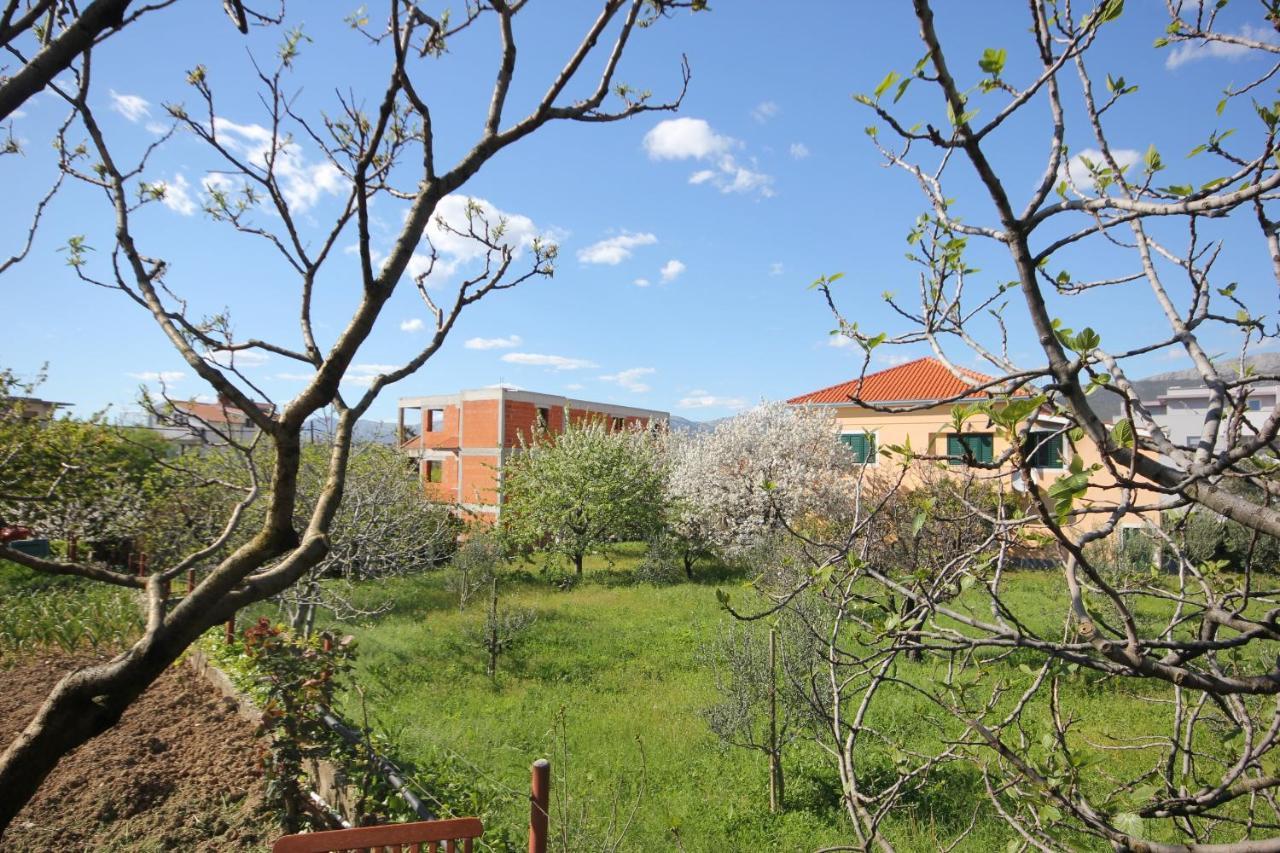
x,y
191,581
73,550
539,803
231,630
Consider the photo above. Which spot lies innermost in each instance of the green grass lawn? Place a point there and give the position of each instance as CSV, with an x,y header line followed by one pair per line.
x,y
608,684
617,662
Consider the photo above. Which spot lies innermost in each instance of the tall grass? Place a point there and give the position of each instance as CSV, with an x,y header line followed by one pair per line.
x,y
39,612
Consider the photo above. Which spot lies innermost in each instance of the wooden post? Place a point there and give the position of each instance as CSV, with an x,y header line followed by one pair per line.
x,y
539,804
191,581
73,550
775,768
231,630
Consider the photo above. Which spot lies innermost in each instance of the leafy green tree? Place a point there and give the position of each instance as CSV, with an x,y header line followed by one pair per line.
x,y
385,526
575,492
66,478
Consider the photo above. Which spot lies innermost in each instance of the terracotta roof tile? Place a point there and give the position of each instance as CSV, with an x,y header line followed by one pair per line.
x,y
916,381
215,413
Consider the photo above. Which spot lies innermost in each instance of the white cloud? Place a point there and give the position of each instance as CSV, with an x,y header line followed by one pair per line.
x,y
294,377
704,400
177,196
641,282
240,359
302,182
693,138
156,127
775,268
839,341
494,343
684,138
799,150
574,386
414,325
132,107
630,379
615,250
555,362
364,374
671,270
166,376
736,178
764,111
1191,51
894,359
1078,173
457,251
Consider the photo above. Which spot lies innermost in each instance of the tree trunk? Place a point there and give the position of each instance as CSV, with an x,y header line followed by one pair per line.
x,y
577,563
688,564
493,630
775,756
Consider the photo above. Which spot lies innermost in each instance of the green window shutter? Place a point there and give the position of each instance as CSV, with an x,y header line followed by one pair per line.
x,y
862,445
979,445
1046,449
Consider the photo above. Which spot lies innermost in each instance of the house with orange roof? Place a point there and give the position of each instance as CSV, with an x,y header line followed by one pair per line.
x,y
915,405
201,423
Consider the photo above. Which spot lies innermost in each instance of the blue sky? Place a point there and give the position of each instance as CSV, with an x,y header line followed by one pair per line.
x,y
685,249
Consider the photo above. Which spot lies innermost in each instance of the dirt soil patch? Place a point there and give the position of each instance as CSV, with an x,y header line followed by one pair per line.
x,y
180,771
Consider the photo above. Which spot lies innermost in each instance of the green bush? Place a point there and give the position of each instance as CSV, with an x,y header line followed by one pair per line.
x,y
662,563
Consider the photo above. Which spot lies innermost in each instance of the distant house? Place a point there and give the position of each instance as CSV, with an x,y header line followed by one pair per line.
x,y
30,407
194,423
1181,412
461,441
914,403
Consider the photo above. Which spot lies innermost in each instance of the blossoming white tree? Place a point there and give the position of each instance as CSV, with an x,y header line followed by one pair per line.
x,y
755,473
575,492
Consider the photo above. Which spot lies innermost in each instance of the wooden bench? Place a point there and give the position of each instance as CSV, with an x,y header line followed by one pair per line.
x,y
427,836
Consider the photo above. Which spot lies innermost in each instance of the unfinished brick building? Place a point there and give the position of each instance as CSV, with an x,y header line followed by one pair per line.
x,y
462,440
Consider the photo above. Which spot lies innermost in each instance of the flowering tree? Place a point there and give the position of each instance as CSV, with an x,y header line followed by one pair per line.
x,y
753,475
1094,228
574,492
378,149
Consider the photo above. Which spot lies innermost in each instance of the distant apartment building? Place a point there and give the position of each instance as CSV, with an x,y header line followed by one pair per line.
x,y
462,440
1181,412
194,423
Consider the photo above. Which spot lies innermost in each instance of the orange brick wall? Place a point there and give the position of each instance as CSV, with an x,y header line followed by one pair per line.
x,y
480,479
447,436
447,488
480,423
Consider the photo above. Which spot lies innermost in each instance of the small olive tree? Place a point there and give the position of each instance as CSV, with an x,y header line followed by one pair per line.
x,y
575,492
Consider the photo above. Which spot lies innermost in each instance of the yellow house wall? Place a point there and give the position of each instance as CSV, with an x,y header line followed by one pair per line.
x,y
927,430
